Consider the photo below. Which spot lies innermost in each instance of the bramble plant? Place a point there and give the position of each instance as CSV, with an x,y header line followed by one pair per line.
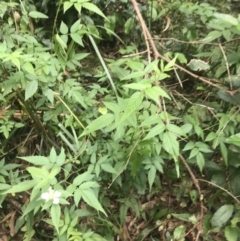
x,y
119,120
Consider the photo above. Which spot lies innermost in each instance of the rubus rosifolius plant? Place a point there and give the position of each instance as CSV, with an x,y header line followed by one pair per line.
x,y
111,148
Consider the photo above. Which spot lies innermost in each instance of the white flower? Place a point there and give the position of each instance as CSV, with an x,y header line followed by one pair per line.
x,y
51,195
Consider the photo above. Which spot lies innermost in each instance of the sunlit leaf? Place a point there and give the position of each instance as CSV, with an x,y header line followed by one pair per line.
x,y
222,215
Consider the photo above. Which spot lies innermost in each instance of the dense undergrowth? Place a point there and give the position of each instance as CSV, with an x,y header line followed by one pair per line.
x,y
119,120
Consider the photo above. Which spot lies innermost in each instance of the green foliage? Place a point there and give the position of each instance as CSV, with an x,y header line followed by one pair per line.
x,y
97,140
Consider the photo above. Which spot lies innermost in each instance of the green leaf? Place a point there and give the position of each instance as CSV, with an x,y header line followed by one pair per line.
x,y
63,28
75,26
128,25
67,5
226,18
151,176
175,129
55,215
235,140
31,89
23,186
38,173
222,215
170,144
93,8
77,38
198,65
212,36
156,130
91,200
231,233
108,168
133,103
200,161
155,92
99,123
182,216
80,179
36,14
29,68
36,160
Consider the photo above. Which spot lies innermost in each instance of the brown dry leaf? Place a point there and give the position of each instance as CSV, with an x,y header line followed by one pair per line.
x,y
126,235
11,223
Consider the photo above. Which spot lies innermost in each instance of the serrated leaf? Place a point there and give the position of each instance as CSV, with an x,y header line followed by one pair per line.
x,y
63,28
56,215
77,38
36,14
23,186
151,176
156,130
31,89
175,129
38,173
155,92
222,215
235,140
29,68
91,200
200,161
67,5
132,105
36,160
93,8
108,168
170,144
198,65
99,123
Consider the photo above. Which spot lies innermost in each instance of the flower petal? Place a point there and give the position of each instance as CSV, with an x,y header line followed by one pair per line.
x,y
56,201
45,196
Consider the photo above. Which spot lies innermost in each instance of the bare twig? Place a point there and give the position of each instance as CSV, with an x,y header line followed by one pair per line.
x,y
223,189
196,184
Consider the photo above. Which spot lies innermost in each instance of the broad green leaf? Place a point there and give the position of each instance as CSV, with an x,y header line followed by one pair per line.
x,y
155,92
38,173
222,215
193,152
175,129
99,123
198,65
75,26
134,75
226,18
88,185
151,176
133,103
50,95
16,62
63,28
231,233
91,200
235,140
77,38
156,130
36,160
67,5
29,68
170,144
36,14
56,215
80,178
212,36
93,8
23,186
179,233
31,89
77,196
108,168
